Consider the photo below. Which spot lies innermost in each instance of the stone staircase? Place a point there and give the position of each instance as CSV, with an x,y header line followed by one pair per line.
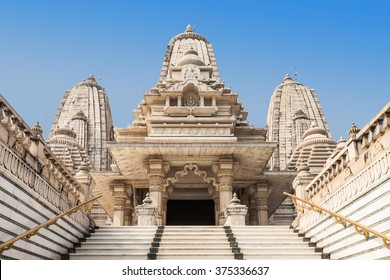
x,y
116,243
274,242
195,242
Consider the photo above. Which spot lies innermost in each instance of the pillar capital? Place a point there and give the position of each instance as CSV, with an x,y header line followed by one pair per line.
x,y
225,166
157,167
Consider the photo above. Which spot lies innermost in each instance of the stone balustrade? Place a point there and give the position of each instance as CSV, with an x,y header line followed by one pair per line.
x,y
358,143
361,183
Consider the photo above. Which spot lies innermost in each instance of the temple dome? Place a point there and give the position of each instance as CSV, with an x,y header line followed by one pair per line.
x,y
315,132
314,150
64,145
65,131
189,47
191,57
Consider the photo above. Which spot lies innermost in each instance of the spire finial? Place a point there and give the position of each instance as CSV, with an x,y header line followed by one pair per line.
x,y
189,28
287,78
235,200
147,199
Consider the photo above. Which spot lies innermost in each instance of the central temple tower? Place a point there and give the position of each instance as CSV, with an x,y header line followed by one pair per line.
x,y
190,146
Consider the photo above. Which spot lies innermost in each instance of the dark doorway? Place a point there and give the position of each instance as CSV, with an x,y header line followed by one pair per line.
x,y
190,212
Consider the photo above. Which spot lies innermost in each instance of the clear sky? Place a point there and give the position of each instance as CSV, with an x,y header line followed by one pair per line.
x,y
340,48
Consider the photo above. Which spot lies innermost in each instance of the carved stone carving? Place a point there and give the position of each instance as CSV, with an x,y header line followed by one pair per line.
x,y
235,212
191,101
190,73
184,172
146,212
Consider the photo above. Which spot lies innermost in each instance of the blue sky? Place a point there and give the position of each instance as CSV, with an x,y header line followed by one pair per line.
x,y
340,48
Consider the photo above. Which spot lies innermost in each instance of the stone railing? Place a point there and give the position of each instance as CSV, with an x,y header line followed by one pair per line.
x,y
350,191
11,162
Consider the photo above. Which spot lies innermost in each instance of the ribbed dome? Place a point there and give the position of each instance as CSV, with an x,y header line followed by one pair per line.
x,y
314,150
315,132
191,57
65,131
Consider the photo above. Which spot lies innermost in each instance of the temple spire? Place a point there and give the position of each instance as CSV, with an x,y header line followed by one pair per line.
x,y
189,28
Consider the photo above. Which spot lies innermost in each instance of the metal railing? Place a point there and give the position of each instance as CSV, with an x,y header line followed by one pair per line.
x,y
87,207
342,220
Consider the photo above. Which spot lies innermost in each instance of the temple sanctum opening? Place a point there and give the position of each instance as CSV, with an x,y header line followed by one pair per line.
x,y
190,212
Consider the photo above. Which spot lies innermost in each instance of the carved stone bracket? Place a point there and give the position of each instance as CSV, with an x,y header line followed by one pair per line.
x,y
197,172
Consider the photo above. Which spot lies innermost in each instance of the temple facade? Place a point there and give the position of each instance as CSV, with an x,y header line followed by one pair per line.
x,y
190,158
190,146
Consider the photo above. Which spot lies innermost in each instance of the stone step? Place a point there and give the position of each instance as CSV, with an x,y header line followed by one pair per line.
x,y
110,250
121,239
193,244
107,256
263,243
194,250
213,256
192,238
265,230
122,234
194,235
259,235
276,250
115,243
193,229
282,256
275,239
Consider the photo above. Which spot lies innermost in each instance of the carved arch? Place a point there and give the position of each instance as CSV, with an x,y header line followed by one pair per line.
x,y
184,172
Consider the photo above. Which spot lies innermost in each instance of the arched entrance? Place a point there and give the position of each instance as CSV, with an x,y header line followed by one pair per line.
x,y
189,200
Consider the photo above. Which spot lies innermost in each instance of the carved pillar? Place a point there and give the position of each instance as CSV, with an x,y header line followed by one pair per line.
x,y
224,170
179,101
262,193
156,172
164,207
120,197
128,213
167,101
252,211
201,101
